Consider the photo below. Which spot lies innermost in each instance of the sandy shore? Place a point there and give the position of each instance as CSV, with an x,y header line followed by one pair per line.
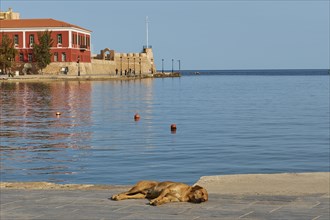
x,y
247,184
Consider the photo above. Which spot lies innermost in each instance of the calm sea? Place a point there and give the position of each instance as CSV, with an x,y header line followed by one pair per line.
x,y
228,122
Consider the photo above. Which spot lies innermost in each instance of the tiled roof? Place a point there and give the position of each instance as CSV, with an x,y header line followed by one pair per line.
x,y
34,23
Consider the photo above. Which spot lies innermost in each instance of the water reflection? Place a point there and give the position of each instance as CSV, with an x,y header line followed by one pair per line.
x,y
93,130
29,112
33,138
226,125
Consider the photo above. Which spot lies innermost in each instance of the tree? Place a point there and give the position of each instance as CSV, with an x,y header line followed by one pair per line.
x,y
7,53
41,51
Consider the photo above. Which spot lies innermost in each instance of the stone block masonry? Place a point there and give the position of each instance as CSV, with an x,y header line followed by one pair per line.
x,y
111,63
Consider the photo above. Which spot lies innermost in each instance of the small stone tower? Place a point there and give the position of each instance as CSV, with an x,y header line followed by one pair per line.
x,y
9,15
150,58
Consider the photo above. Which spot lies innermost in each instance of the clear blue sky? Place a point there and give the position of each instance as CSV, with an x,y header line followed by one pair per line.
x,y
260,34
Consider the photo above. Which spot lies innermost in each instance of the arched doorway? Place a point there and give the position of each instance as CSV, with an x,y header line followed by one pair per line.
x,y
108,54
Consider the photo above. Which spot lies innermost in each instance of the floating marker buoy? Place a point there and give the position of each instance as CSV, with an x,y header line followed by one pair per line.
x,y
58,113
173,127
136,117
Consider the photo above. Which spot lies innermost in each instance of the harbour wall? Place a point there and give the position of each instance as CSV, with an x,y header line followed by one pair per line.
x,y
108,62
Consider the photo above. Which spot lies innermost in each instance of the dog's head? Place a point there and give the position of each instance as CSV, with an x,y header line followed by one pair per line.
x,y
198,194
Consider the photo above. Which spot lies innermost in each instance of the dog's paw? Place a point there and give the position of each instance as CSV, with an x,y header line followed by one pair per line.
x,y
115,197
154,202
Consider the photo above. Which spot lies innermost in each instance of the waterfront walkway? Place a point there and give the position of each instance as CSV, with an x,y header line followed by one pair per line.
x,y
92,203
84,77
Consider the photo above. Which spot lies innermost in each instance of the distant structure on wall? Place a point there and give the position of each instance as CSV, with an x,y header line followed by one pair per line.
x,y
9,15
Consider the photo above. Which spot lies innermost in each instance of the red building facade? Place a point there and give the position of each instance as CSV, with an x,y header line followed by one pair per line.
x,y
70,42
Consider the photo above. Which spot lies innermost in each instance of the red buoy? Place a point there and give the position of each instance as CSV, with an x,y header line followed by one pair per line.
x,y
136,117
173,127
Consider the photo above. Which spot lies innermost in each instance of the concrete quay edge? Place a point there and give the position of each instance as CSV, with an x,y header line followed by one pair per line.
x,y
34,78
240,184
83,77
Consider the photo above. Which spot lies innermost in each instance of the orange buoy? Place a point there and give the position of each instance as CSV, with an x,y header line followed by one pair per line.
x,y
173,127
58,113
136,117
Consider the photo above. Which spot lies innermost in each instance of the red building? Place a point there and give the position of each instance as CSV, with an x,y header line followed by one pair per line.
x,y
71,42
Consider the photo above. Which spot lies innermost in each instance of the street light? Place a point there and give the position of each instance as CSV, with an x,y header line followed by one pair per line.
x,y
78,61
128,72
179,65
172,65
162,65
121,65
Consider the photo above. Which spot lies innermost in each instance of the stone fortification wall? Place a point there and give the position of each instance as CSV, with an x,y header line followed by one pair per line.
x,y
103,67
126,64
69,68
109,62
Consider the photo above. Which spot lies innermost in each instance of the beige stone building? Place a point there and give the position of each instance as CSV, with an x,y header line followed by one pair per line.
x,y
9,15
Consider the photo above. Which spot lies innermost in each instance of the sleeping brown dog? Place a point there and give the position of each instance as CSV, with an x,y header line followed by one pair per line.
x,y
163,192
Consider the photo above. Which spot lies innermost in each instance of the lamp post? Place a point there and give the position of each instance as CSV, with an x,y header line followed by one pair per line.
x,y
162,65
121,65
172,65
179,65
78,61
134,66
140,67
128,72
9,69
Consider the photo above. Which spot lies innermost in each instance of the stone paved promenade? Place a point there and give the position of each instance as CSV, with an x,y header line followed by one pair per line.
x,y
95,204
275,196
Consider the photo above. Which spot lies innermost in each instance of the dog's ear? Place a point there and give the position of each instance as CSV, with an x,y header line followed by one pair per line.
x,y
196,187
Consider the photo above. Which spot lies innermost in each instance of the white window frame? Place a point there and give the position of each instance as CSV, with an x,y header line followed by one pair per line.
x,y
56,57
63,57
